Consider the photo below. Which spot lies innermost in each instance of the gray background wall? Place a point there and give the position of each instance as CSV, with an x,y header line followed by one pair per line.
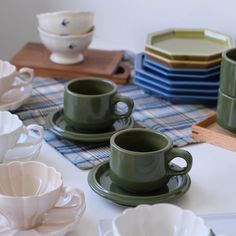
x,y
119,22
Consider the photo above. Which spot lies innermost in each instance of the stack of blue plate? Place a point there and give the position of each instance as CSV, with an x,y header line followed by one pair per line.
x,y
195,86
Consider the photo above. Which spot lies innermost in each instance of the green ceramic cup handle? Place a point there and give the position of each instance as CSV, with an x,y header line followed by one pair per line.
x,y
179,153
128,101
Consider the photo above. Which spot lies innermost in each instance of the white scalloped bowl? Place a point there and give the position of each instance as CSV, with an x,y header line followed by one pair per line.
x,y
10,131
6,68
8,74
66,49
27,191
66,22
160,219
9,123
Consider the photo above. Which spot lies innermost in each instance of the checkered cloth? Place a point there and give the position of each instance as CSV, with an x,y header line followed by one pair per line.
x,y
149,111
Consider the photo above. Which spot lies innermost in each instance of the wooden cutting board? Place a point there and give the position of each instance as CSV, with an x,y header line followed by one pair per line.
x,y
99,63
209,131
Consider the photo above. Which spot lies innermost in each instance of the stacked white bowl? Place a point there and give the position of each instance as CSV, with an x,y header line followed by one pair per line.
x,y
66,34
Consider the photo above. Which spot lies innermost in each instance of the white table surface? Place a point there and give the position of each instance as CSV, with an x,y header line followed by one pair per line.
x,y
213,187
213,176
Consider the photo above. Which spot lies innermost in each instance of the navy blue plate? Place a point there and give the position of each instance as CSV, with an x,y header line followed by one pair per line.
x,y
177,99
154,68
177,71
175,91
168,83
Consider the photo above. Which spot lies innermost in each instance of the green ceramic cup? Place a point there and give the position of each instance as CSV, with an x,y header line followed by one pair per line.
x,y
228,72
140,160
226,111
90,104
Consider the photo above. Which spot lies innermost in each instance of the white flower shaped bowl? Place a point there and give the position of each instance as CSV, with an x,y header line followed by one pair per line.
x,y
10,130
9,123
6,68
66,49
66,22
160,219
27,191
14,136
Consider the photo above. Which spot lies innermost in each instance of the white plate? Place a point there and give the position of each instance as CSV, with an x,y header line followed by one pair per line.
x,y
56,222
24,153
16,97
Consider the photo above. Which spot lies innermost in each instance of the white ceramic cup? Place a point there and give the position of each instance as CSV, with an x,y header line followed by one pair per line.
x,y
8,73
30,189
11,129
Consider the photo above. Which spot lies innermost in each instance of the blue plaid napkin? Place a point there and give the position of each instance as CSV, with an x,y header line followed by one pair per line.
x,y
149,111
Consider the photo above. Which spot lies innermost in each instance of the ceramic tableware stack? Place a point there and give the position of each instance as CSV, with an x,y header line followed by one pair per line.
x,y
90,112
182,65
66,34
33,200
141,169
226,106
15,86
17,141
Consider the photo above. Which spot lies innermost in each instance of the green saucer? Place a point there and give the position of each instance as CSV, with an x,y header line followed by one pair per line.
x,y
57,124
99,180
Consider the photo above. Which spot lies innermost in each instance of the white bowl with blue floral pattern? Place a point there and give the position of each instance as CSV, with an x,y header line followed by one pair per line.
x,y
66,22
66,49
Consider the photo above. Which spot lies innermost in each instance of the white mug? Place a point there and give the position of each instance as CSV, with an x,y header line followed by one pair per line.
x,y
8,72
11,130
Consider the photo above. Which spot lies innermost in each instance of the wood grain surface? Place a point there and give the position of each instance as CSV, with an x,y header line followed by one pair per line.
x,y
208,130
97,63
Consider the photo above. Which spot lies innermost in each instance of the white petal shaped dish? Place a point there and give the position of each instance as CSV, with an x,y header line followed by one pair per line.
x,y
6,68
29,153
109,233
15,137
158,219
15,98
24,153
18,179
56,222
9,122
27,191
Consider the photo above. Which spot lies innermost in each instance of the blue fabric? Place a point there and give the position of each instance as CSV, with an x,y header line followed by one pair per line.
x,y
149,111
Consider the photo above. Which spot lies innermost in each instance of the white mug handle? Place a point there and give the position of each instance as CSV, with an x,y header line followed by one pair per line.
x,y
31,140
71,205
28,72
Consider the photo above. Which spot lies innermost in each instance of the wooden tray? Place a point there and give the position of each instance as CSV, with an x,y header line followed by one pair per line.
x,y
99,63
209,131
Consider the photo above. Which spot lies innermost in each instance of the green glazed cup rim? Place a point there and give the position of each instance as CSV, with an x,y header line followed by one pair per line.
x,y
227,58
136,153
67,90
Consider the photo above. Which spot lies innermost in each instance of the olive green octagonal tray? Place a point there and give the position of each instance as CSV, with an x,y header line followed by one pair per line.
x,y
189,44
